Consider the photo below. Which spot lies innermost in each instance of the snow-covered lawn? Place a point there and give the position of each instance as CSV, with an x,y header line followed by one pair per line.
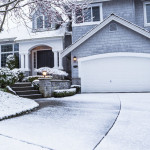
x,y
71,123
11,105
132,129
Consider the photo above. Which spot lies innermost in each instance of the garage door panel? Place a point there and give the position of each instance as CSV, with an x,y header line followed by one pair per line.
x,y
115,74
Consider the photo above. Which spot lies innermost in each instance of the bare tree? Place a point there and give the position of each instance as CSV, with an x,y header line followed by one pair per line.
x,y
59,11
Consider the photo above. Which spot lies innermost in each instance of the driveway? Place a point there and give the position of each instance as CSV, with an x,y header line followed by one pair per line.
x,y
80,123
132,129
72,123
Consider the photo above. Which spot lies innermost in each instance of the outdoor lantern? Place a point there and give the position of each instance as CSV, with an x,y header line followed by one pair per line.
x,y
75,59
44,73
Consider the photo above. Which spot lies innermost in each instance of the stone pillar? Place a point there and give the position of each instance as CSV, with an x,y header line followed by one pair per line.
x,y
45,87
60,61
55,59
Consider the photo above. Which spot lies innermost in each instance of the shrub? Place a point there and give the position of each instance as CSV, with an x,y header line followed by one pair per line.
x,y
12,62
31,78
78,88
9,77
19,73
64,92
35,83
55,73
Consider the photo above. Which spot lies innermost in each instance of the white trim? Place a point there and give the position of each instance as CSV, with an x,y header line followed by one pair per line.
x,y
108,55
145,14
112,17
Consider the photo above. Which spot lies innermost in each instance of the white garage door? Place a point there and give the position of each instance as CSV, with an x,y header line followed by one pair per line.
x,y
122,73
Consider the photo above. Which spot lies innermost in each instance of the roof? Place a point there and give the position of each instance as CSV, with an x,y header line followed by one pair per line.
x,y
21,33
97,28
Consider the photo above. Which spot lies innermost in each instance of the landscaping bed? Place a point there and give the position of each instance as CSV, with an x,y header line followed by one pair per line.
x,y
12,105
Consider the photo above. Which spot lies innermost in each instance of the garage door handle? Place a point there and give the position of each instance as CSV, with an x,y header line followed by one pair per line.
x,y
110,81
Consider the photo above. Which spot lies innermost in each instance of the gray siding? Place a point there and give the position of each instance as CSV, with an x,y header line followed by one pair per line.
x,y
122,8
104,41
79,31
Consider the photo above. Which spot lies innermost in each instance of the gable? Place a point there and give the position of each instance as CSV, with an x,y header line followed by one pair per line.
x,y
99,27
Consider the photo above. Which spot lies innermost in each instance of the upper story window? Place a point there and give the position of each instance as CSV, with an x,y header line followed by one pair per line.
x,y
42,22
147,13
91,15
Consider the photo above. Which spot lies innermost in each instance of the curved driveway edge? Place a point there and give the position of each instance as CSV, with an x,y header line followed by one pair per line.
x,y
95,148
132,129
71,123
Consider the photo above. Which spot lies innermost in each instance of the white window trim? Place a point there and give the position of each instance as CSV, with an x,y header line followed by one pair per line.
x,y
145,14
90,23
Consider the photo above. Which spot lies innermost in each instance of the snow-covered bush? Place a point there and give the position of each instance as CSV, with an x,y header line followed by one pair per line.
x,y
78,88
64,92
12,62
35,83
19,73
9,77
55,73
31,78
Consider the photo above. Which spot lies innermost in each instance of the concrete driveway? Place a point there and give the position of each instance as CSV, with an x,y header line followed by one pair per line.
x,y
80,123
72,123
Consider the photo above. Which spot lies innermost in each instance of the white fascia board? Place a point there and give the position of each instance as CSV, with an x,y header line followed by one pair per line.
x,y
7,39
103,24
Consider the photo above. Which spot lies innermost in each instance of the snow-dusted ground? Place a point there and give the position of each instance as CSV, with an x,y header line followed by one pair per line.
x,y
11,105
132,129
71,123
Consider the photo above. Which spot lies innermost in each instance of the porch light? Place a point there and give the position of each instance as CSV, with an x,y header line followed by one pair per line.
x,y
44,73
75,59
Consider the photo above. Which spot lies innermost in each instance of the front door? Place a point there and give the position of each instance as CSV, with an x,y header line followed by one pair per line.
x,y
45,58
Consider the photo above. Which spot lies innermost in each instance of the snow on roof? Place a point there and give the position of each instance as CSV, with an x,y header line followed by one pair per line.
x,y
22,32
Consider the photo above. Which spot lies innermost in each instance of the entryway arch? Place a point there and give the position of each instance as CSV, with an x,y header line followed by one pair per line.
x,y
41,56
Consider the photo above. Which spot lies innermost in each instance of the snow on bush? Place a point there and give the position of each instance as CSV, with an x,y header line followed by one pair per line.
x,y
35,83
9,77
31,78
78,88
12,105
64,92
52,71
12,62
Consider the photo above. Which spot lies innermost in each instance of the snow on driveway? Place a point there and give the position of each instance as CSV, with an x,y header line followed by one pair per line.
x,y
132,129
73,123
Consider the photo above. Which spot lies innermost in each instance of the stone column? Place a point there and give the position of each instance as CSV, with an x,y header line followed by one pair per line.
x,y
45,87
60,61
55,59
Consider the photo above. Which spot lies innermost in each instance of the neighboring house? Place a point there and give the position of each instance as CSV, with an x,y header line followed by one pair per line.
x,y
38,46
110,49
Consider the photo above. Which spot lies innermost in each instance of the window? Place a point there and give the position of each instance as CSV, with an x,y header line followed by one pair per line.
x,y
91,14
9,49
42,22
147,13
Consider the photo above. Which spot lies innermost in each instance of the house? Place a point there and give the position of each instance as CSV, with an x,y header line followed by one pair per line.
x,y
38,45
110,49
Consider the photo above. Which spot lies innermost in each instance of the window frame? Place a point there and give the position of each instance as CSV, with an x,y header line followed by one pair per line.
x,y
13,52
43,28
90,22
145,14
